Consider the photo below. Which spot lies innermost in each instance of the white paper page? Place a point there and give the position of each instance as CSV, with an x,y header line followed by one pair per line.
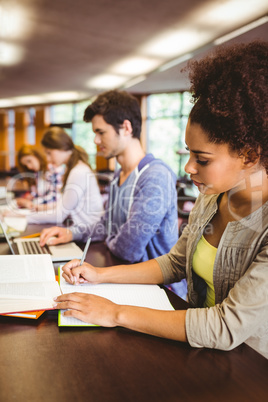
x,y
28,296
151,296
26,268
37,290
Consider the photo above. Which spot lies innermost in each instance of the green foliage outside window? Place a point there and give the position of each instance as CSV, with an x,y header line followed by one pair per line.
x,y
62,113
166,123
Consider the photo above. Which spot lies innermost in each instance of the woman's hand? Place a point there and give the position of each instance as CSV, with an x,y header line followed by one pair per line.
x,y
97,310
75,274
88,308
24,203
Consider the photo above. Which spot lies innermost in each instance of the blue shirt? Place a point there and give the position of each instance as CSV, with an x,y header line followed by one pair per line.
x,y
141,221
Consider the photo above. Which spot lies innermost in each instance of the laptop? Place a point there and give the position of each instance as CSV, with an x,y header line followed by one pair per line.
x,y
61,252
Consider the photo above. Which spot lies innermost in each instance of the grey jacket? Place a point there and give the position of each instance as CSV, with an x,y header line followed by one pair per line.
x,y
240,279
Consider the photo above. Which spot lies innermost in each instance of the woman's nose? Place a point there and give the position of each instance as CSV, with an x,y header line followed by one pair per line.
x,y
190,166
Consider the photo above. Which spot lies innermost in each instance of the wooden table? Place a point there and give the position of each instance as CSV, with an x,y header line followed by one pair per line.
x,y
42,362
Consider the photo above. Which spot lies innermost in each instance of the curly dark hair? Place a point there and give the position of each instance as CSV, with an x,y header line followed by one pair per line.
x,y
115,107
229,90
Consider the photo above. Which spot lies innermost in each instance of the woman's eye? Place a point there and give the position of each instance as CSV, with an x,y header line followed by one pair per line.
x,y
202,163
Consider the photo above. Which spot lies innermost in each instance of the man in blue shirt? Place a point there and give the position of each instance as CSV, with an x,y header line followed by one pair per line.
x,y
141,221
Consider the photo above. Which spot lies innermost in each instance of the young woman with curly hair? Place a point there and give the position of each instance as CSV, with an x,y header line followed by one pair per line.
x,y
223,251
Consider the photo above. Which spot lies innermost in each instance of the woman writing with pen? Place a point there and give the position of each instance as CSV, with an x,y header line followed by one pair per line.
x,y
45,180
223,251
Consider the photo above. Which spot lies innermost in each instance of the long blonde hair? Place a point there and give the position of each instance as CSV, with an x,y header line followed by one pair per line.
x,y
57,138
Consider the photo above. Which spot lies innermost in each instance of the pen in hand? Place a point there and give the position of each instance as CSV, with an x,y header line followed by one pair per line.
x,y
82,258
85,251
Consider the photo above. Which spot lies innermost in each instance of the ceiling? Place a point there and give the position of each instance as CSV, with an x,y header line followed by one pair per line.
x,y
51,50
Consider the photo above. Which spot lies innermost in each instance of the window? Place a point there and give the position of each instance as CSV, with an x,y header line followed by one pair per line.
x,y
165,128
166,123
70,117
11,138
31,127
83,134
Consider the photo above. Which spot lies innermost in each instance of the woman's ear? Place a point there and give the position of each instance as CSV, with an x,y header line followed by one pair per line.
x,y
250,157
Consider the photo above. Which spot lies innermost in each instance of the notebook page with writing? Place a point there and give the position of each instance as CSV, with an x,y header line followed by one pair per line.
x,y
150,296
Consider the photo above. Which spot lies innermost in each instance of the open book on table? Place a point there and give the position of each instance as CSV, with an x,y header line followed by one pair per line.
x,y
151,296
27,284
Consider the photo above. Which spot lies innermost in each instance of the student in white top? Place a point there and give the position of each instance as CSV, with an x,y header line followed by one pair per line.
x,y
80,200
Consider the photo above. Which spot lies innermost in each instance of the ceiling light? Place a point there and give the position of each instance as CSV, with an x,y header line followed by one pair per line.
x,y
7,103
240,31
9,54
230,12
135,66
42,99
203,25
175,62
135,81
174,43
12,22
28,100
63,96
106,81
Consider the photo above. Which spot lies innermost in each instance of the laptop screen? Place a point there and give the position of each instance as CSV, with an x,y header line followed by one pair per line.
x,y
7,238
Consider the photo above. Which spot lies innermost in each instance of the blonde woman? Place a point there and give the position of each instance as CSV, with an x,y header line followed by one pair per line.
x,y
80,200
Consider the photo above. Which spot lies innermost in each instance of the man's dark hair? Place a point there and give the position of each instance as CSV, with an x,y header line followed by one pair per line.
x,y
115,107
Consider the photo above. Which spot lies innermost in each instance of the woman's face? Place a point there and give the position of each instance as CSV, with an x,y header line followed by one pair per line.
x,y
212,167
57,157
31,162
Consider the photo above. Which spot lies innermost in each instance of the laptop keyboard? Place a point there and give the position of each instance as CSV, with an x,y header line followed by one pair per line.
x,y
33,247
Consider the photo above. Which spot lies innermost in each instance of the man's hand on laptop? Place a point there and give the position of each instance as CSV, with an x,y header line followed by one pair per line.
x,y
55,235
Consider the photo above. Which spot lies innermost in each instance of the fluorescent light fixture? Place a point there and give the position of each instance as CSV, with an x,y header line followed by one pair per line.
x,y
106,81
63,96
203,25
241,31
175,62
172,44
135,81
42,98
28,100
12,22
230,12
9,54
134,66
7,103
